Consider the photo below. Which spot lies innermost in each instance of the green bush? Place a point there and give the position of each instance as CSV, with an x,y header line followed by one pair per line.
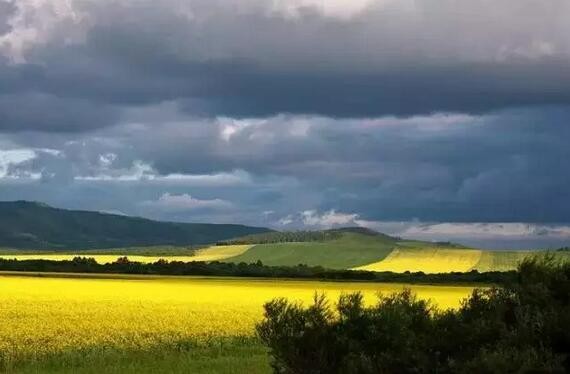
x,y
518,328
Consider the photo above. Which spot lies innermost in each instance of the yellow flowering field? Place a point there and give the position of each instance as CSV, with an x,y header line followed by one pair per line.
x,y
45,315
428,260
213,253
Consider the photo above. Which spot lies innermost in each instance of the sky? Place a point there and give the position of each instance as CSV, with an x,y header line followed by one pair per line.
x,y
438,120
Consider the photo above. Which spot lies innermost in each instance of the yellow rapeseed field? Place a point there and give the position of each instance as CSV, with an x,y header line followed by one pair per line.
x,y
213,253
220,252
41,316
428,260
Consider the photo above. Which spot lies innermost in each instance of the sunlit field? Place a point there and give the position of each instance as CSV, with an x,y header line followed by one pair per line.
x,y
507,260
444,260
213,253
43,317
428,260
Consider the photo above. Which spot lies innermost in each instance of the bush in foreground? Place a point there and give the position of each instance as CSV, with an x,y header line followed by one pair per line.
x,y
520,327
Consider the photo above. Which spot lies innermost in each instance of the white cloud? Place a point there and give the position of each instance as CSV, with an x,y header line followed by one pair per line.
x,y
510,235
35,22
144,172
107,159
230,127
267,130
343,9
12,158
486,230
327,219
137,172
181,203
285,221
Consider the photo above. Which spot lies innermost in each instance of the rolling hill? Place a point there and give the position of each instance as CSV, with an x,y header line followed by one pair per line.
x,y
306,236
348,250
31,225
362,249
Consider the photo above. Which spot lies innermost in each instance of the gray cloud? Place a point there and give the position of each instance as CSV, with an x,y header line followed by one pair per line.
x,y
504,167
258,58
35,111
7,9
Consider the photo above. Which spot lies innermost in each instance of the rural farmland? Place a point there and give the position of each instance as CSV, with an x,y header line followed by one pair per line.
x,y
350,250
65,323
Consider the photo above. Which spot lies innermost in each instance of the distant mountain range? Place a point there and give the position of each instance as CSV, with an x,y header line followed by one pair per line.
x,y
33,225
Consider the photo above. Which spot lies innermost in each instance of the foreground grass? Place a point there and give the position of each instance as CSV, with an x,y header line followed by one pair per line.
x,y
234,356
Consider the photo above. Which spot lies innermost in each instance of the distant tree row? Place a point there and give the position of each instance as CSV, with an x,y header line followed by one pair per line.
x,y
302,236
124,266
283,237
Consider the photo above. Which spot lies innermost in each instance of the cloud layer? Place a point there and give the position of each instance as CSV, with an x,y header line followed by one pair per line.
x,y
75,65
336,112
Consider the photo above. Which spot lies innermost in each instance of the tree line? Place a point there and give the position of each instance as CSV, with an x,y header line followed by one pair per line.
x,y
304,236
161,267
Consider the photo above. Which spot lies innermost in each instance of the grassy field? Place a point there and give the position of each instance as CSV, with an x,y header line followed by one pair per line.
x,y
153,324
349,251
213,253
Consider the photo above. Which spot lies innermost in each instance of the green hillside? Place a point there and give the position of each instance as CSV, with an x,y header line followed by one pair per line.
x,y
30,225
304,236
348,250
362,249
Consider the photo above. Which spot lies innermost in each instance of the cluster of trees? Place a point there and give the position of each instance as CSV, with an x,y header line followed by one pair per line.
x,y
258,269
283,237
302,236
520,327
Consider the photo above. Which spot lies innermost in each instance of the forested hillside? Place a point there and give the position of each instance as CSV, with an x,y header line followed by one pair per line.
x,y
25,224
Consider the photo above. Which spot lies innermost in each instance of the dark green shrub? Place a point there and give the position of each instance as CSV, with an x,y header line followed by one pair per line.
x,y
518,328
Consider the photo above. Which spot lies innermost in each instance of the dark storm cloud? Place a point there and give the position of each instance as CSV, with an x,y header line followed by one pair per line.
x,y
509,166
35,111
403,92
256,58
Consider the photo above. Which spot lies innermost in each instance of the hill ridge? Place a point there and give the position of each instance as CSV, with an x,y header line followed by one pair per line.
x,y
307,236
35,225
